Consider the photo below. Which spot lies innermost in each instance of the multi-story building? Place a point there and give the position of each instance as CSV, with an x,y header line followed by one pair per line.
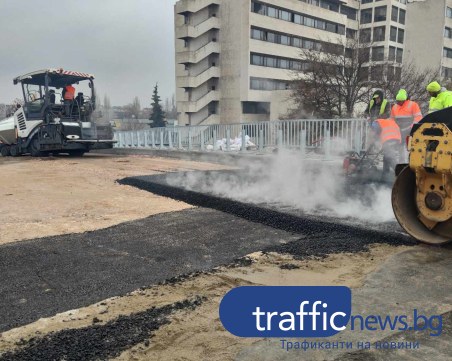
x,y
429,35
235,58
382,23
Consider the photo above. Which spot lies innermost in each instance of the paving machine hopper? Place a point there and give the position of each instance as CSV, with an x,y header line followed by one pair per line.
x,y
422,192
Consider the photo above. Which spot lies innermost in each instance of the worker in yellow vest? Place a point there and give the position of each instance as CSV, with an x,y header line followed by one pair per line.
x,y
378,106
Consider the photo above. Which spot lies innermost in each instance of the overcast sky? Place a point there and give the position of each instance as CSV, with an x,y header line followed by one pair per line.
x,y
127,44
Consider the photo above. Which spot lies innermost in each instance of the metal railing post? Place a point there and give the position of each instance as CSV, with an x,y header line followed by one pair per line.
x,y
153,138
146,138
179,136
215,147
243,149
328,145
161,140
228,139
280,138
170,139
261,139
303,143
190,144
202,141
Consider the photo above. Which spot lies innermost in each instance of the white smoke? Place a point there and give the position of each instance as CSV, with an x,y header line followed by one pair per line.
x,y
313,186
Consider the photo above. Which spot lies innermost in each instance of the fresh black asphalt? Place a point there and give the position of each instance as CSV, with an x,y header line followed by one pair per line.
x,y
46,276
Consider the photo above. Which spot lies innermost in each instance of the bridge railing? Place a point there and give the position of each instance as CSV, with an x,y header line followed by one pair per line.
x,y
303,134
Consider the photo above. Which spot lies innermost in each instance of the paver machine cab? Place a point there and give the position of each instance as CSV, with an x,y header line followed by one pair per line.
x,y
50,122
422,193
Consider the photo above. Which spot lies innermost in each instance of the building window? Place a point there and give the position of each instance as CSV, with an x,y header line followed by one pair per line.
x,y
379,33
351,13
364,54
395,72
378,53
449,12
395,13
402,16
366,16
257,60
393,34
306,20
399,55
350,33
365,35
446,72
392,53
400,36
255,108
366,1
275,62
377,72
363,74
268,84
447,53
448,33
285,15
257,34
380,13
258,8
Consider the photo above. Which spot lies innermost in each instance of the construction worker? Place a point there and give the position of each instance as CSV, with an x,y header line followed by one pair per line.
x,y
440,97
378,106
405,113
68,96
390,138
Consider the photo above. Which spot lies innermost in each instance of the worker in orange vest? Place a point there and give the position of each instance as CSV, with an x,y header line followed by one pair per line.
x,y
68,96
390,138
405,113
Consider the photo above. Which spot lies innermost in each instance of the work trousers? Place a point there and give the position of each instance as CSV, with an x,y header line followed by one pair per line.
x,y
391,150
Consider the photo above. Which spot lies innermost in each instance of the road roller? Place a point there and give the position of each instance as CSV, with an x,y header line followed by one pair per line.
x,y
422,192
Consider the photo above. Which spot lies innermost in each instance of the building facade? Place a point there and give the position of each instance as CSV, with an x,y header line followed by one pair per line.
x,y
235,58
429,35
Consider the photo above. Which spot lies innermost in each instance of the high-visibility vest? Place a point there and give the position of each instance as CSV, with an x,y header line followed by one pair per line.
x,y
382,107
69,93
406,115
441,101
389,130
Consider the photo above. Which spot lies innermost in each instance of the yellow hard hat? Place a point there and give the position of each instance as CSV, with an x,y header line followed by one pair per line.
x,y
402,95
433,87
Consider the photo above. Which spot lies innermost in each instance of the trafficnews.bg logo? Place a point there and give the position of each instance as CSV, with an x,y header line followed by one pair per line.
x,y
270,311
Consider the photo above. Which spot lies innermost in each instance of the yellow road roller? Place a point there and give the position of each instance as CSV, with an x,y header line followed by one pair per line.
x,y
422,192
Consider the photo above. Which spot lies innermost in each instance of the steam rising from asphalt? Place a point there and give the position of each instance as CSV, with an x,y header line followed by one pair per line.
x,y
314,187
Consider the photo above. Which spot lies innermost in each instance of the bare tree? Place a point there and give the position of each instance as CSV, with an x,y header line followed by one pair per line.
x,y
2,111
133,110
332,79
170,108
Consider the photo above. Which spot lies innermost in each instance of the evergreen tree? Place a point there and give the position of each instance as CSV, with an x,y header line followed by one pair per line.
x,y
157,115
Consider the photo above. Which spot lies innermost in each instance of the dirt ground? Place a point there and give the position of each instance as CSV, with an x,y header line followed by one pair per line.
x,y
52,196
198,334
65,195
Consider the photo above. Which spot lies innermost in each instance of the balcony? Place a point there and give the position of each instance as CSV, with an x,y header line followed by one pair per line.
x,y
194,107
196,81
211,119
189,31
190,6
196,56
